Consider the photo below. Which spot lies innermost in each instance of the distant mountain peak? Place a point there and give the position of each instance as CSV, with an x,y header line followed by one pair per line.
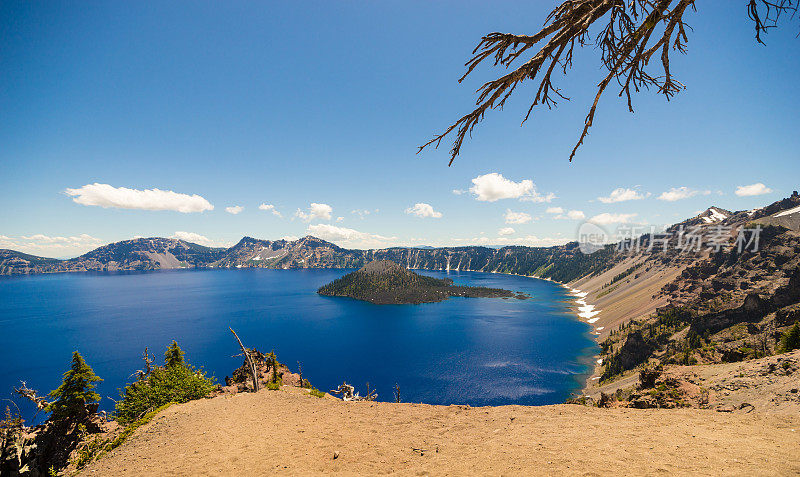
x,y
714,215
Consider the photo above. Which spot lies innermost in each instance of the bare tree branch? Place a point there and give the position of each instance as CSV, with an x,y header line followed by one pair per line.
x,y
246,352
631,32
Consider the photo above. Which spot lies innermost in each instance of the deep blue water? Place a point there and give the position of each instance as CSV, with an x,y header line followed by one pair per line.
x,y
477,351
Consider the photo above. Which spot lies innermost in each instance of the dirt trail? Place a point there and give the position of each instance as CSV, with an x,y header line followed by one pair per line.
x,y
289,432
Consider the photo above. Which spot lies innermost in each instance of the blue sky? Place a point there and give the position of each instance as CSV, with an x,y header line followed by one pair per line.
x,y
294,103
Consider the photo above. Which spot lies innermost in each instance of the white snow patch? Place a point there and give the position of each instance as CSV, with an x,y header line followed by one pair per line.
x,y
717,215
788,212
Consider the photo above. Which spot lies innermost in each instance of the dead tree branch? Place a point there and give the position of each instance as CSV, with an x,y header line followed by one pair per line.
x,y
250,363
349,393
630,33
30,394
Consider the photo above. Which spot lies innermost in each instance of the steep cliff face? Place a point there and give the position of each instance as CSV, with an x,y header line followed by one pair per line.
x,y
16,263
146,254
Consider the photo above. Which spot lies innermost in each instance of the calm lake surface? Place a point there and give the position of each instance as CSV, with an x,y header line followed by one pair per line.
x,y
477,351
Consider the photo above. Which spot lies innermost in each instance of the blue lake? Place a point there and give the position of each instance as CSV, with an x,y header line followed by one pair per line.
x,y
477,351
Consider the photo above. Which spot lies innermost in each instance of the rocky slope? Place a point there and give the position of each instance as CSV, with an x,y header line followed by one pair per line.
x,y
137,254
725,300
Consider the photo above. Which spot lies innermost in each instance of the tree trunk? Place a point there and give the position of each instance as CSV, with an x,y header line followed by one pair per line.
x,y
249,359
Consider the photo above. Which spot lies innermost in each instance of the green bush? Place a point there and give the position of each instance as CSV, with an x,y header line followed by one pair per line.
x,y
177,382
316,393
275,385
790,340
75,392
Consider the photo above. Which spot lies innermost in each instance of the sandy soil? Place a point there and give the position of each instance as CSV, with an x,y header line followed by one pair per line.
x,y
289,432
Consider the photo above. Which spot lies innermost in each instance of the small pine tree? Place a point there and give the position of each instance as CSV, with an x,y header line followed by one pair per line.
x,y
790,339
75,392
173,355
273,360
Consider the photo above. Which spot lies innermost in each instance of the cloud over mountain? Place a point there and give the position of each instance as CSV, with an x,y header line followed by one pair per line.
x,y
346,237
193,238
270,208
622,195
492,187
423,210
752,189
608,218
107,196
315,212
512,217
680,193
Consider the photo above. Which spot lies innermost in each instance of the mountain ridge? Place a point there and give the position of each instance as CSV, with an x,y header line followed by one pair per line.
x,y
563,263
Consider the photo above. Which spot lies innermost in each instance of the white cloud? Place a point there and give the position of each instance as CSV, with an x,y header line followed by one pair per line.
x,y
576,215
459,191
680,193
235,209
361,213
512,217
752,189
315,212
73,239
572,214
339,219
622,195
270,208
423,210
48,246
348,237
536,197
492,187
8,242
528,240
506,231
607,218
106,196
192,237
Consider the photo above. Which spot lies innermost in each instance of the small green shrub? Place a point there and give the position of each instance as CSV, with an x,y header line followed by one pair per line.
x,y
790,340
174,355
89,451
275,385
316,393
176,382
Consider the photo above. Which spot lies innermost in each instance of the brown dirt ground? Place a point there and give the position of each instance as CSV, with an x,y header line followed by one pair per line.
x,y
289,432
